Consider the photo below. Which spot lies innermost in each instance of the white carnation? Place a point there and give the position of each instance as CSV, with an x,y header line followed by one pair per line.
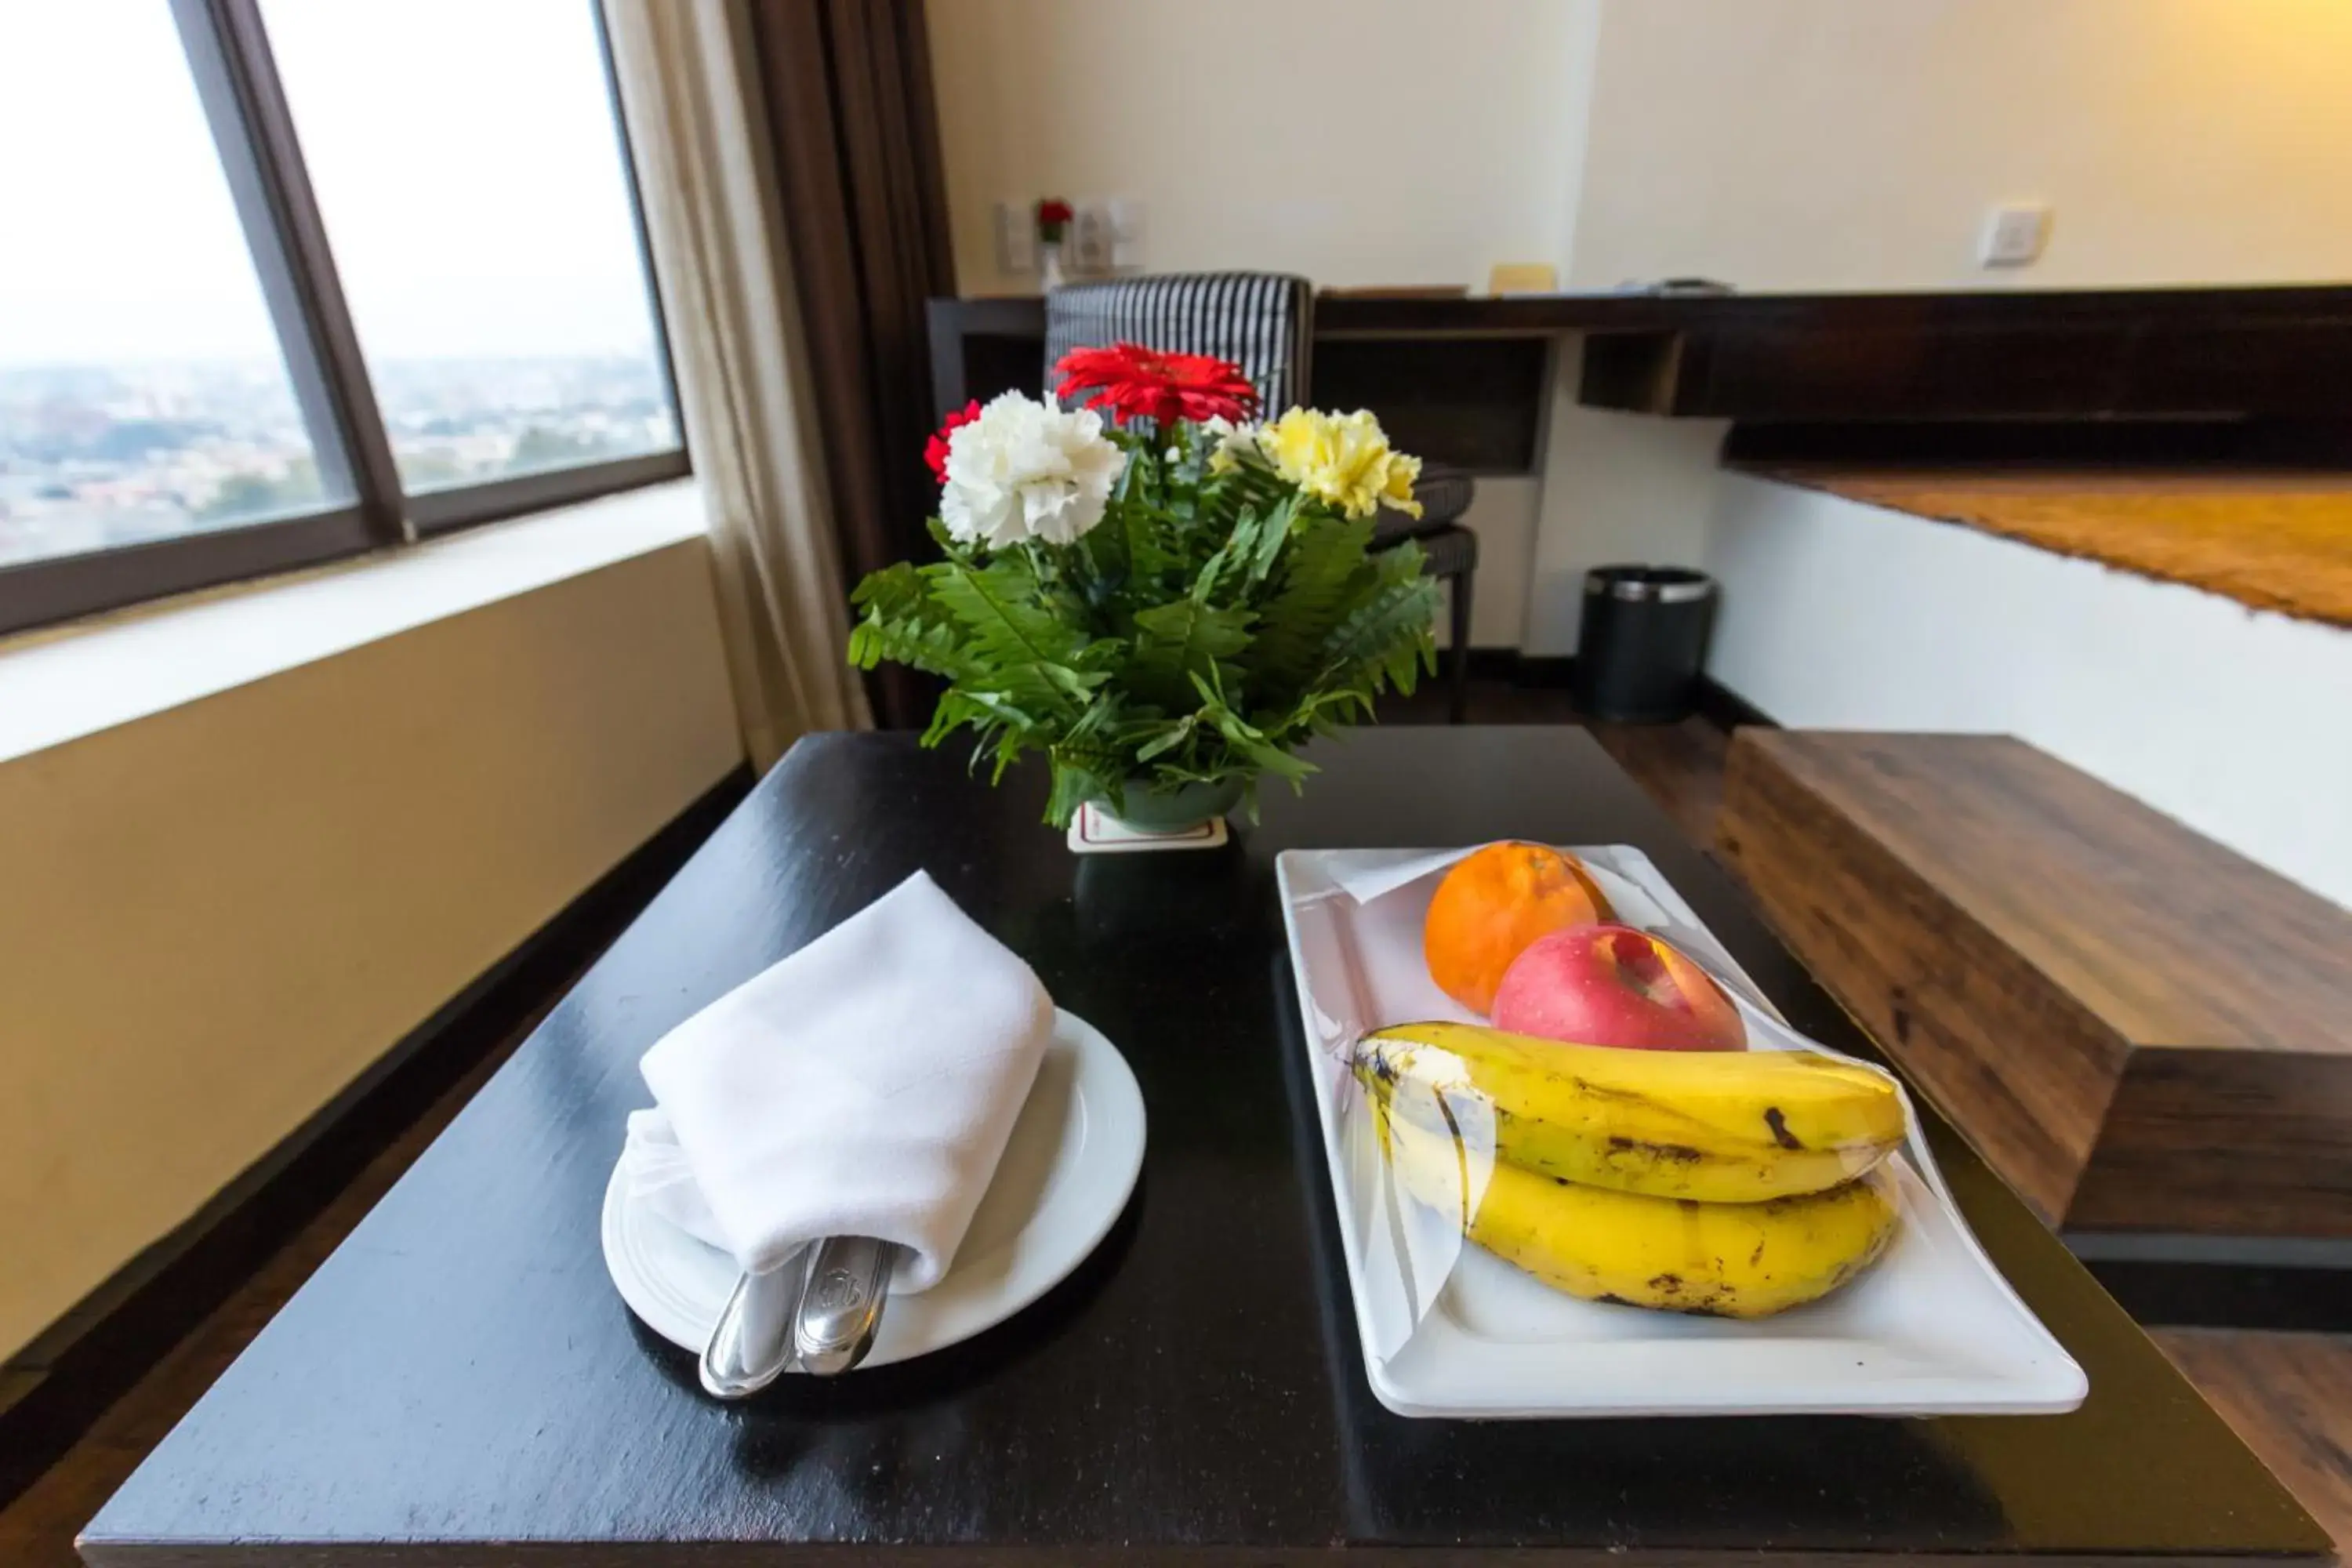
x,y
1025,470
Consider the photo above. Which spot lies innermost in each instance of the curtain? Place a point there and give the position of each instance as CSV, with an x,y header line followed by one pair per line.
x,y
855,132
692,97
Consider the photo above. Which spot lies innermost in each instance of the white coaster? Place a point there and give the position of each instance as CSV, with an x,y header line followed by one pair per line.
x,y
1096,832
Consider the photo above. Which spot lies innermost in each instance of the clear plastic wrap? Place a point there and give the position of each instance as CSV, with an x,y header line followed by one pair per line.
x,y
1714,1184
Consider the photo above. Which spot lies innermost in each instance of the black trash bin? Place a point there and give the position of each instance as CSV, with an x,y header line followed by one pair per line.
x,y
1638,656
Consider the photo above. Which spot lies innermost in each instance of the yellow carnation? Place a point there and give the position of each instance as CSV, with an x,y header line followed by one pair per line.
x,y
1343,460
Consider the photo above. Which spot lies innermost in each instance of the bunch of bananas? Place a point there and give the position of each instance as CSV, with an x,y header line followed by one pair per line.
x,y
1733,1183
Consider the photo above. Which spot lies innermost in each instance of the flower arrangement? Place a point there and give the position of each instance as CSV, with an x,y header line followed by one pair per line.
x,y
1176,599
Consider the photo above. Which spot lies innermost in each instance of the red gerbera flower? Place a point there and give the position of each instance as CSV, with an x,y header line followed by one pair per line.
x,y
1130,381
935,450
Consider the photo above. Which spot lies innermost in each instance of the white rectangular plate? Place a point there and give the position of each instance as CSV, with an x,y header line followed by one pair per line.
x,y
1932,1330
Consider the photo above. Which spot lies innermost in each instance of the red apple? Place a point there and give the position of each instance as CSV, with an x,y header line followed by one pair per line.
x,y
1609,984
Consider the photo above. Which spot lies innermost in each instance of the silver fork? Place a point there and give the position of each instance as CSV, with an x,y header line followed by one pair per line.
x,y
841,1303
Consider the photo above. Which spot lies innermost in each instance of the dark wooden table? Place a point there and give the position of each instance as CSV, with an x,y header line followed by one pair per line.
x,y
460,1385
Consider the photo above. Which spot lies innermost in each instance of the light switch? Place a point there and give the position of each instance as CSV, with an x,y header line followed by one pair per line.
x,y
1016,236
2014,234
1091,239
1126,233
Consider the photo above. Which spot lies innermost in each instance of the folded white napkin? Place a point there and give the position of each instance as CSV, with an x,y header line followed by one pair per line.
x,y
865,1086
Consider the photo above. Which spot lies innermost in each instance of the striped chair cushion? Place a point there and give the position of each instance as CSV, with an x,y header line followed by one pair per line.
x,y
1445,493
1260,321
1448,550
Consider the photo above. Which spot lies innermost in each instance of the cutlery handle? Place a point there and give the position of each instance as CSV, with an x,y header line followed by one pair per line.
x,y
841,1304
752,1343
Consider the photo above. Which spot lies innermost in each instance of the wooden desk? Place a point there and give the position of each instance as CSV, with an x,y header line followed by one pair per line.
x,y
1462,380
459,1384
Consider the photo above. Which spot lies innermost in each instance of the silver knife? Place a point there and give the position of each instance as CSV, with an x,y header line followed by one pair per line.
x,y
752,1343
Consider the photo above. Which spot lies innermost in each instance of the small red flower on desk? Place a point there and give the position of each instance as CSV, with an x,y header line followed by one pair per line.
x,y
1129,381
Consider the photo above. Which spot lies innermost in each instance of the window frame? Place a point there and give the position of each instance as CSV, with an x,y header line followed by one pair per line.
x,y
253,131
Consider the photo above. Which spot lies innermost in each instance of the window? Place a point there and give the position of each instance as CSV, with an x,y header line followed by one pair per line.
x,y
142,395
489,249
304,278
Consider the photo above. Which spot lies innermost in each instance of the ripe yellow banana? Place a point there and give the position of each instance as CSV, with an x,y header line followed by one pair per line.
x,y
1719,1126
1728,1260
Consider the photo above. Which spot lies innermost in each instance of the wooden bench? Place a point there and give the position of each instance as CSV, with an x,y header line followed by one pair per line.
x,y
2141,1029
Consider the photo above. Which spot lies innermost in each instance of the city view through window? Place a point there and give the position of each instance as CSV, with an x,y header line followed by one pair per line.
x,y
487,252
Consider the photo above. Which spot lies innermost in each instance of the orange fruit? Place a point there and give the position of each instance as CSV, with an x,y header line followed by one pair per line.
x,y
1492,904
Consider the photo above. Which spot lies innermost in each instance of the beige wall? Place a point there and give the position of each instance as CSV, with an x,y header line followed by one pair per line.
x,y
1826,144
1776,143
1617,488
1796,144
1352,140
212,918
1801,144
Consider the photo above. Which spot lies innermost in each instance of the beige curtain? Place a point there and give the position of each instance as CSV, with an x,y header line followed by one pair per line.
x,y
689,92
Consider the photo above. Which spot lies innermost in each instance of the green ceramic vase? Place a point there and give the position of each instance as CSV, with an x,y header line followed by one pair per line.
x,y
1171,811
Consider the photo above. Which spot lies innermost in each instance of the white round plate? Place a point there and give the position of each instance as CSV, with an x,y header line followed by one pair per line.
x,y
1068,1167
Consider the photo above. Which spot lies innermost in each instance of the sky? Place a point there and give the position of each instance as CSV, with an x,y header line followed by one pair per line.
x,y
463,152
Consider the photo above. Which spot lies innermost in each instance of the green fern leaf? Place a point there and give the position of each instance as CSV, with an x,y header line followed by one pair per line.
x,y
1021,651
901,622
1247,739
1175,642
1320,577
1273,529
1384,638
1164,738
935,649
